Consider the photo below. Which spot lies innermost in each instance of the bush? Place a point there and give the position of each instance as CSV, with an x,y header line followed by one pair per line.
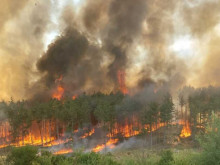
x,y
44,159
23,155
93,159
166,158
210,143
61,160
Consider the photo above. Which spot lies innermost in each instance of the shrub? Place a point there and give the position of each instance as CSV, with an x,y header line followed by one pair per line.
x,y
210,143
93,159
166,158
23,155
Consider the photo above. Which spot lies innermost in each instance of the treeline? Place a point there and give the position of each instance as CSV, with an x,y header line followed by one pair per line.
x,y
199,104
207,155
53,118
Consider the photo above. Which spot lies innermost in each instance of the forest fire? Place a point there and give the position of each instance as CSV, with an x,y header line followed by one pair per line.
x,y
63,151
59,90
37,135
74,97
136,78
88,134
110,144
186,131
44,135
127,130
121,82
133,128
58,93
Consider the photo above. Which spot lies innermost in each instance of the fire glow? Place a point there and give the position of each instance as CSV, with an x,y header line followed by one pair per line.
x,y
88,134
63,151
186,131
58,93
110,144
121,82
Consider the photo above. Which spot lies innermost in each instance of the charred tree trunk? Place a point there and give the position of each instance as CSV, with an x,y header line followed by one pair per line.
x,y
40,129
57,129
151,140
31,134
5,130
45,131
50,129
22,134
181,107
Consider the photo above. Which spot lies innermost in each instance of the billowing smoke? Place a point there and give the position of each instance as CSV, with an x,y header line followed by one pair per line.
x,y
22,27
97,39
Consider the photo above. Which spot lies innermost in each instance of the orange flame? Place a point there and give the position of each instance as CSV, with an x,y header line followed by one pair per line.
x,y
74,97
58,93
88,134
110,143
132,128
186,131
63,151
98,148
37,135
121,81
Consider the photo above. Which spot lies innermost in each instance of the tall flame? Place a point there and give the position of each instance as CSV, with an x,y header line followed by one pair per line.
x,y
121,82
59,91
186,131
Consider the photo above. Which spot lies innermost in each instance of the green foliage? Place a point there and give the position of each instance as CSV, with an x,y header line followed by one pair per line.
x,y
23,155
166,108
93,159
166,158
150,113
186,157
43,160
210,142
61,160
77,159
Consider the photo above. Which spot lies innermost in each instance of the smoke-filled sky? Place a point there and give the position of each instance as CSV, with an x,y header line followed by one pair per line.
x,y
168,43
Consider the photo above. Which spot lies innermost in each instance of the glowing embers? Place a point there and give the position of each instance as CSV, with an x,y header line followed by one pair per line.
x,y
110,144
186,131
63,151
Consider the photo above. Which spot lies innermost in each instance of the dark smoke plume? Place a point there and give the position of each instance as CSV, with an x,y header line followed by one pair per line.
x,y
97,39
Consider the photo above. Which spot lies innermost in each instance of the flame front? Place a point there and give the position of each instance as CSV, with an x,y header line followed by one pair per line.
x,y
110,144
88,134
63,151
44,133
